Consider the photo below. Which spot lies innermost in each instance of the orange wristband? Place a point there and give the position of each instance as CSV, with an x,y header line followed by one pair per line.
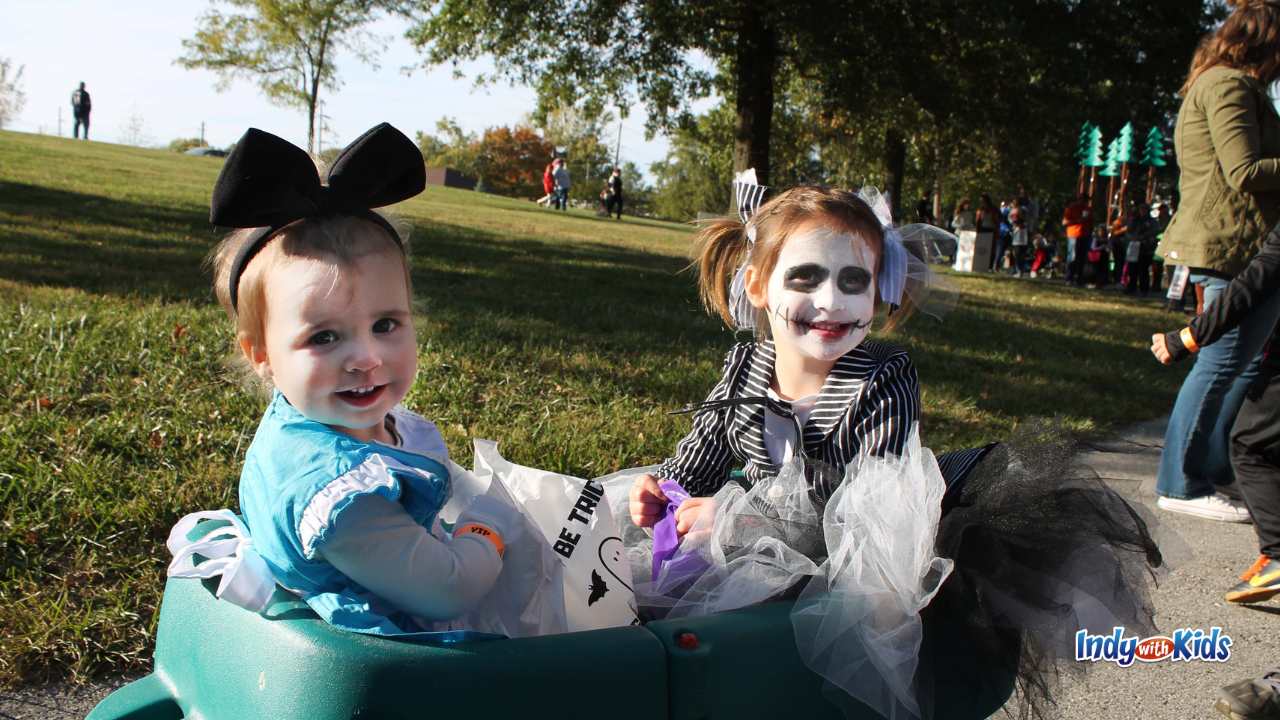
x,y
484,532
1188,340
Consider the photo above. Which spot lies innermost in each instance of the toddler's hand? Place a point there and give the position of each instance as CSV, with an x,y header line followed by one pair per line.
x,y
647,501
692,509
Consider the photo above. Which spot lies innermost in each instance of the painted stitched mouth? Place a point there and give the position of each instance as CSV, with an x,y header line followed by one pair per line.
x,y
825,327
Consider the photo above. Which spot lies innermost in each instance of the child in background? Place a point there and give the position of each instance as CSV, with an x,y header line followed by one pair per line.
x,y
1019,241
342,486
1042,264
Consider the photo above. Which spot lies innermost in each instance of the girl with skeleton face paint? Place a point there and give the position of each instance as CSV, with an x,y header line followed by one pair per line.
x,y
811,397
812,385
820,299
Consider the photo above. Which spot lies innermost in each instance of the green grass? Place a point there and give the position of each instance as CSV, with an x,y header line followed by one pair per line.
x,y
564,336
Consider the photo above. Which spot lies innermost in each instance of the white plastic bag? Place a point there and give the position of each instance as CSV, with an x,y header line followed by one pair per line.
x,y
576,521
527,598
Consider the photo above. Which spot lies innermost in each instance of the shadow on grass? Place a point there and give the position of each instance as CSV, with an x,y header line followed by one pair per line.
x,y
102,245
495,293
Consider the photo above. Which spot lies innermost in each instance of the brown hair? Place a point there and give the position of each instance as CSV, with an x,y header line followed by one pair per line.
x,y
722,245
343,239
1248,40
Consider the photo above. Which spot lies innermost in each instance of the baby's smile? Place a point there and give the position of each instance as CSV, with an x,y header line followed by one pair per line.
x,y
362,396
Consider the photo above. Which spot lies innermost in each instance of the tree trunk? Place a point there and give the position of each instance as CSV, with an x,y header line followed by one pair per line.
x,y
757,62
311,124
895,158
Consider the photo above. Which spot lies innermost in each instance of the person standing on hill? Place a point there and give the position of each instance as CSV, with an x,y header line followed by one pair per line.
x,y
561,176
80,107
614,203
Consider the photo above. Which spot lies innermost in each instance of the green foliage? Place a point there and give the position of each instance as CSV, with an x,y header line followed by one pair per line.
x,y
451,147
289,47
697,172
181,145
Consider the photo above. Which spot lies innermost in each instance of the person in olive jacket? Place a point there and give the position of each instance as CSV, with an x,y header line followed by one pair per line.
x,y
1227,140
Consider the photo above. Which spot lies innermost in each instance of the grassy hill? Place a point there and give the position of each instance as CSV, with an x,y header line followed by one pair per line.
x,y
564,336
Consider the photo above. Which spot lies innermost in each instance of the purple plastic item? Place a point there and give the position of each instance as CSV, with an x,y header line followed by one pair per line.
x,y
665,538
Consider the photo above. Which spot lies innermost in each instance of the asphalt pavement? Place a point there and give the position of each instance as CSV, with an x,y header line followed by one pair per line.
x,y
1206,558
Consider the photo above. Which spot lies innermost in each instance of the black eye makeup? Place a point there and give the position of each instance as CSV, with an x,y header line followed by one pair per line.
x,y
853,280
804,278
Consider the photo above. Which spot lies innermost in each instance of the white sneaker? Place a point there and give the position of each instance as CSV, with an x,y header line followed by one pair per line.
x,y
1212,507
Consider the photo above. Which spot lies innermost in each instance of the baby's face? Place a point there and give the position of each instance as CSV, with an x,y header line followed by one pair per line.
x,y
340,342
821,293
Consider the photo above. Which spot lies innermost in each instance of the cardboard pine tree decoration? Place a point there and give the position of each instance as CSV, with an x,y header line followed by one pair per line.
x,y
1153,156
1093,155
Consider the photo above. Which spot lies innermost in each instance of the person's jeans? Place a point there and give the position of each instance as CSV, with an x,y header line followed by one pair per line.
x,y
1079,252
1255,457
561,200
1196,456
76,128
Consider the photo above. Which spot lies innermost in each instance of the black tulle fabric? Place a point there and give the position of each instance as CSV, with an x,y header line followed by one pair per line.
x,y
1043,548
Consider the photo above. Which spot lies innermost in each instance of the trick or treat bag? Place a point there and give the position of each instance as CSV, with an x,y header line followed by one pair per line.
x,y
574,517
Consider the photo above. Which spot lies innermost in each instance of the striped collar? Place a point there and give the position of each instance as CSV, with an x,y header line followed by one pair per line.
x,y
842,387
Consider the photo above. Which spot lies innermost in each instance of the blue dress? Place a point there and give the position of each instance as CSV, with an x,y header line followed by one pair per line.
x,y
300,475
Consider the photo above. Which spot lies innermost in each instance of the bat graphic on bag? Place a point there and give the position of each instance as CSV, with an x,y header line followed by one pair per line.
x,y
598,588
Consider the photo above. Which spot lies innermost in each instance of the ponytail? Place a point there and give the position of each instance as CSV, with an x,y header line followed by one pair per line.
x,y
722,246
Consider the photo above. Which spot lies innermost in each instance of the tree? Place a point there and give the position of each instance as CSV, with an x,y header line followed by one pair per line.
x,y
450,147
511,160
12,98
288,46
577,132
134,130
604,52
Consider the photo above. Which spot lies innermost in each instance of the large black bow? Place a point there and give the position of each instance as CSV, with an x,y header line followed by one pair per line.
x,y
268,183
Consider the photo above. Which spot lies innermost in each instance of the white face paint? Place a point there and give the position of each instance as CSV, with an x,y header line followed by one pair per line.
x,y
821,294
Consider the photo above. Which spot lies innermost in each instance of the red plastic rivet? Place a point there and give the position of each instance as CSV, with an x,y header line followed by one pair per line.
x,y
687,641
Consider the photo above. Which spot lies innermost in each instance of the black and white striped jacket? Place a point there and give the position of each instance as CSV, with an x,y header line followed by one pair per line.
x,y
868,404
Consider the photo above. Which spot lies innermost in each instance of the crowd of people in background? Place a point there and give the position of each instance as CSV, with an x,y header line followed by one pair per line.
x,y
1031,238
556,183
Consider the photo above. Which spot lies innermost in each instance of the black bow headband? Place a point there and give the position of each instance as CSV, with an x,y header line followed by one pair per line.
x,y
269,183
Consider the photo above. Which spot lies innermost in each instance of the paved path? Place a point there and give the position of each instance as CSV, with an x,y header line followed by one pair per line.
x,y
1212,554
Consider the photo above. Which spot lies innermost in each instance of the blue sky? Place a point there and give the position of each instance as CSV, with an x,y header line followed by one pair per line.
x,y
124,53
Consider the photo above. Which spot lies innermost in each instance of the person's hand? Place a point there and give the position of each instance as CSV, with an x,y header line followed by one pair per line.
x,y
648,502
692,509
1160,348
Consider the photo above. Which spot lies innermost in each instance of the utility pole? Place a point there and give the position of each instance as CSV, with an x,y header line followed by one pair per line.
x,y
201,133
617,153
59,121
